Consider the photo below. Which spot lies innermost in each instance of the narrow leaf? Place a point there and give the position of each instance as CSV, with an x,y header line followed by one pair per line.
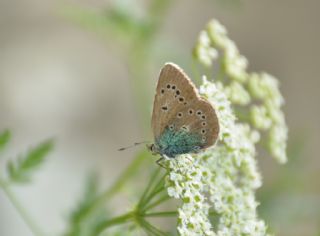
x,y
81,224
20,170
4,139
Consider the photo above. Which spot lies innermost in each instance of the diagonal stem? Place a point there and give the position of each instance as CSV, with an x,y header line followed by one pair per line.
x,y
121,181
156,203
157,188
115,221
161,214
152,229
21,210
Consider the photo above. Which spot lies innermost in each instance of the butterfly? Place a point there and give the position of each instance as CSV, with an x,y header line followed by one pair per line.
x,y
182,121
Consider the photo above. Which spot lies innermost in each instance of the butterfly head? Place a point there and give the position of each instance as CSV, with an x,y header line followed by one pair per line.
x,y
153,148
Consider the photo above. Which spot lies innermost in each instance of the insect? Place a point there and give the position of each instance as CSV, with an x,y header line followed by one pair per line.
x,y
182,121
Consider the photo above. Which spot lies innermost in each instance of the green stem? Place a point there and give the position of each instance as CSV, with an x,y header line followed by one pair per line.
x,y
147,189
157,188
21,210
222,70
156,203
150,229
153,193
125,176
161,214
121,181
114,221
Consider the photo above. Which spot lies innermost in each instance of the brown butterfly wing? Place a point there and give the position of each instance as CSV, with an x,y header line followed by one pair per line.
x,y
177,103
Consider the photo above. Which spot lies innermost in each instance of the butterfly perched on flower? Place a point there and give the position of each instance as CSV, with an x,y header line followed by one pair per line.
x,y
182,121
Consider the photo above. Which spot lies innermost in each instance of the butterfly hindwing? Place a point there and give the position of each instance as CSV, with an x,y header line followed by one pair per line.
x,y
191,120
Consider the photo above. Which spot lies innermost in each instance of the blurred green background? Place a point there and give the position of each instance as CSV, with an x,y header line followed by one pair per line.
x,y
84,72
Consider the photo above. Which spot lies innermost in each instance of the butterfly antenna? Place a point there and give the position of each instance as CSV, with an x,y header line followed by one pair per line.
x,y
131,146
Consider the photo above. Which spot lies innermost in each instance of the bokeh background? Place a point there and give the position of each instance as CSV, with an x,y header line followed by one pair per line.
x,y
64,78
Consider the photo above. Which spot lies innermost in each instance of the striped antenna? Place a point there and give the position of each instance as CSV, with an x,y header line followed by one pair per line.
x,y
131,146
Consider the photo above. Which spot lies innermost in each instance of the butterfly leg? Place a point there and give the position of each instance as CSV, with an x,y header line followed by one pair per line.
x,y
159,163
178,164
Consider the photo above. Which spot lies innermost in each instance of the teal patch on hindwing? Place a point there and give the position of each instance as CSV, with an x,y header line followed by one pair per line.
x,y
174,142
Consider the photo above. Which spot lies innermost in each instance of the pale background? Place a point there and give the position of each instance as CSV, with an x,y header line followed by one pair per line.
x,y
60,80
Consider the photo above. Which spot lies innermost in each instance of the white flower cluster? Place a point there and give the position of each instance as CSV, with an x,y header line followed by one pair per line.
x,y
204,50
217,187
268,115
188,181
257,92
220,181
236,176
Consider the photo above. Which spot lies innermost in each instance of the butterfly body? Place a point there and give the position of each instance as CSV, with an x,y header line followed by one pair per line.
x,y
182,121
172,143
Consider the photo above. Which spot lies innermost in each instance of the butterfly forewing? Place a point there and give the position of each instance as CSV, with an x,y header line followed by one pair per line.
x,y
178,106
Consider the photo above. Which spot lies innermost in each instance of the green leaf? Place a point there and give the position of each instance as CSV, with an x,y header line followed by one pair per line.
x,y
20,170
4,139
81,224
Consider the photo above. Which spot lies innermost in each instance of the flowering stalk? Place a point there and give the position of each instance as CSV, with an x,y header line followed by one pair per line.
x,y
223,179
257,94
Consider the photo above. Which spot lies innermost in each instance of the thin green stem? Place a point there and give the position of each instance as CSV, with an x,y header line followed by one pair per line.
x,y
112,222
156,203
153,193
161,214
151,229
158,187
222,70
147,189
21,210
125,176
121,181
157,12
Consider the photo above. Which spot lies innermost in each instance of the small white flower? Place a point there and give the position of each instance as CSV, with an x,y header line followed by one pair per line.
x,y
173,192
278,142
265,86
235,63
260,118
204,39
204,51
274,112
237,93
217,33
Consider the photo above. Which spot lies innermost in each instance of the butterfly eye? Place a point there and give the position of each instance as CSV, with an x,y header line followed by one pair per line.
x,y
203,117
162,91
204,123
180,114
178,92
199,113
173,87
168,86
190,111
203,131
171,127
181,99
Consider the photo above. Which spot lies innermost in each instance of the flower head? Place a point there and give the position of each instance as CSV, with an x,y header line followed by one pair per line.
x,y
222,180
